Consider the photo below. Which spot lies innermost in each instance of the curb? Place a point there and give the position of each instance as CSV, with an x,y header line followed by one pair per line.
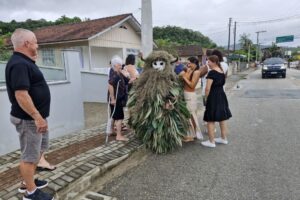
x,y
72,191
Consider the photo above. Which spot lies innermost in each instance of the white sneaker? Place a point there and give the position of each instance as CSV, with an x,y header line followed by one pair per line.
x,y
208,144
199,135
221,140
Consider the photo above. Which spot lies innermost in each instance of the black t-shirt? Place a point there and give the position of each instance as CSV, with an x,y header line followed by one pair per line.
x,y
22,73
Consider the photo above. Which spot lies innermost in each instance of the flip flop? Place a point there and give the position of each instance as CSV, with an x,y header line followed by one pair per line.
x,y
123,140
41,169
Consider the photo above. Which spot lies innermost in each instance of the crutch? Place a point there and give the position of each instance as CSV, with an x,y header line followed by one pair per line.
x,y
109,117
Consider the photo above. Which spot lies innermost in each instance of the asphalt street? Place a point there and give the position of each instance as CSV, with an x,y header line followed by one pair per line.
x,y
261,160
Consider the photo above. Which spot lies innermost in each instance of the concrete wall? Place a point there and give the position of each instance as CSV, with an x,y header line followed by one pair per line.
x,y
54,74
102,55
94,86
66,114
2,73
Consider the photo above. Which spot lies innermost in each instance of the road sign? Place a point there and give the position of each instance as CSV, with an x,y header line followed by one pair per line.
x,y
288,38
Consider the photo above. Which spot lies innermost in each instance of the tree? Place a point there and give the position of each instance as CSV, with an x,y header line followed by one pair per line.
x,y
166,45
5,53
246,46
273,51
245,41
66,20
182,36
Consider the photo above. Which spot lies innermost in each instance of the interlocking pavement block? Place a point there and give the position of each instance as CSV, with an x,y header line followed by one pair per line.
x,y
60,182
74,174
67,178
58,174
55,187
79,171
2,193
10,194
85,168
14,198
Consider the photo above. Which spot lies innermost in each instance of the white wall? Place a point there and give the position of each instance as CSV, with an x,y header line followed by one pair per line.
x,y
66,114
119,38
100,56
94,87
85,54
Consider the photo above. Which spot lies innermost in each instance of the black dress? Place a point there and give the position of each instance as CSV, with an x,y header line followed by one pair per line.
x,y
217,105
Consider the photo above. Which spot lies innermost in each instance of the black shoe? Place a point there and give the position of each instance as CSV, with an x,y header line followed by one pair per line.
x,y
38,195
39,184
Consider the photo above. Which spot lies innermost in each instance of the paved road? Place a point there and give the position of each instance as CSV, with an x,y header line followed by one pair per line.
x,y
261,162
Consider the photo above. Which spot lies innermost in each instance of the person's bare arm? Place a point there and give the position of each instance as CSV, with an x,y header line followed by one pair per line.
x,y
25,102
203,70
208,86
131,70
192,84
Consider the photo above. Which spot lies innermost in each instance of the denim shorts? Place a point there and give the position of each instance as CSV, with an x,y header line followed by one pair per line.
x,y
32,143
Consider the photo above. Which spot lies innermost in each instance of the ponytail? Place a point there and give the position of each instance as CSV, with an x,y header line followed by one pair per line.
x,y
195,61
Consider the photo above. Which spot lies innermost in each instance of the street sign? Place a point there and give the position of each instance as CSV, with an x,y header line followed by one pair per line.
x,y
288,38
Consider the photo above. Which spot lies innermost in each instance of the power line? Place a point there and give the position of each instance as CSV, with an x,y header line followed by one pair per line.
x,y
269,21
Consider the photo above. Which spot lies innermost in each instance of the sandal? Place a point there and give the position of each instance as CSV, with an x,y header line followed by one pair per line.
x,y
188,139
45,168
123,139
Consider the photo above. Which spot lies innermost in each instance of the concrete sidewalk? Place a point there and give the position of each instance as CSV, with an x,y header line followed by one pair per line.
x,y
80,157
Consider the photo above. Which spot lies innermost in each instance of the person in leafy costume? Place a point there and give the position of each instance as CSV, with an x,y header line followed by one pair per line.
x,y
158,112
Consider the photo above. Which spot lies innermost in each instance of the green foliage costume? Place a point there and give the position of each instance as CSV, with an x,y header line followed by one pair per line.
x,y
158,113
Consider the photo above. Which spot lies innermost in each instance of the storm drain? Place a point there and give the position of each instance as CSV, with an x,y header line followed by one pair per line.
x,y
97,196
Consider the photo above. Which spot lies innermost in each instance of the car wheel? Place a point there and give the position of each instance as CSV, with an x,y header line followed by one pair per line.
x,y
283,75
263,76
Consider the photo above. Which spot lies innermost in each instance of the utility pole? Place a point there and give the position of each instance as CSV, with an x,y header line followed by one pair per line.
x,y
257,45
234,37
249,53
147,28
229,27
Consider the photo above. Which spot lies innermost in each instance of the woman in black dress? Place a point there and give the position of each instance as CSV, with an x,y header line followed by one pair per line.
x,y
216,109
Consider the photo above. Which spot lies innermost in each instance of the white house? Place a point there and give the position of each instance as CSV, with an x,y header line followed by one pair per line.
x,y
97,40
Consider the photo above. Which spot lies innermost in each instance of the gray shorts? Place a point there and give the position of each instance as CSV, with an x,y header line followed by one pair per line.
x,y
31,142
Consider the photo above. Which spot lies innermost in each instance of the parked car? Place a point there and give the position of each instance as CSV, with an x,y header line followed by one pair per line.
x,y
274,67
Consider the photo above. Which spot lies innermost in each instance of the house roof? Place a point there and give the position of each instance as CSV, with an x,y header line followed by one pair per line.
x,y
81,30
190,50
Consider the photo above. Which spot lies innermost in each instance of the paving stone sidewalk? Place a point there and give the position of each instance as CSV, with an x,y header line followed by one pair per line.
x,y
75,156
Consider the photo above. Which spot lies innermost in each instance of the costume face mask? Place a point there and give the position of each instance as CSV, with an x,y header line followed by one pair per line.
x,y
159,65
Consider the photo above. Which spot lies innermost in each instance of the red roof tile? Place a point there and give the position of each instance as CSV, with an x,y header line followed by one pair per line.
x,y
191,50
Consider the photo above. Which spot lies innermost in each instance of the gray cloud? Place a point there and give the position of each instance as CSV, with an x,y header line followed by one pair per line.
x,y
209,17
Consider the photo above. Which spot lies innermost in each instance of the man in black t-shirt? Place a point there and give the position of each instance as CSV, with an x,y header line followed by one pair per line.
x,y
29,95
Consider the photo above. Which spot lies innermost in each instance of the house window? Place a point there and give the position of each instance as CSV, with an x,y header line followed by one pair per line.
x,y
132,51
48,57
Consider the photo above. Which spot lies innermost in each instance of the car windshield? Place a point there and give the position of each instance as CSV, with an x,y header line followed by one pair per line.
x,y
273,61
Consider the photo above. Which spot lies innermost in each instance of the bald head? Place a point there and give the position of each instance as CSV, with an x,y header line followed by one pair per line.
x,y
20,36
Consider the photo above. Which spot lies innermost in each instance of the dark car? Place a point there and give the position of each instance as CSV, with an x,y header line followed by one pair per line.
x,y
274,67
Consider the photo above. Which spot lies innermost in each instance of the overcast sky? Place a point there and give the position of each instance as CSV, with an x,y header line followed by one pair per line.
x,y
210,17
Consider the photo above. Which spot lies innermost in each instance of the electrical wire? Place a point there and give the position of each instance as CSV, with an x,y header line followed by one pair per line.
x,y
269,21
